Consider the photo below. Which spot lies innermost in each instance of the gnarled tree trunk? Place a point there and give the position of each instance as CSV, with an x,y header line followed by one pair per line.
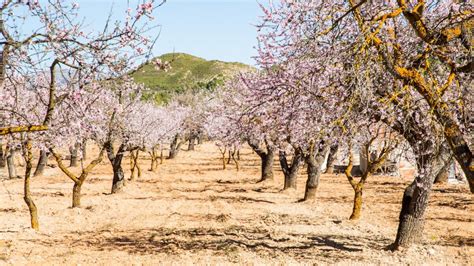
x,y
154,159
134,165
118,180
266,155
415,198
175,147
290,171
314,162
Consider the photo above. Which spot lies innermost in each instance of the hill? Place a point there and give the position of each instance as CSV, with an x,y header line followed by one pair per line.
x,y
187,72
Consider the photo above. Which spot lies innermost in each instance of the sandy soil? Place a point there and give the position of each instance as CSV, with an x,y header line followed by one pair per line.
x,y
192,212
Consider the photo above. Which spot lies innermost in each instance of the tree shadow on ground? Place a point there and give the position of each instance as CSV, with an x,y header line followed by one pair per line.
x,y
456,241
219,242
208,198
209,189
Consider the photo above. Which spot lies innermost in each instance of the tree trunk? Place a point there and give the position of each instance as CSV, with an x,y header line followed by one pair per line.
x,y
230,156
76,195
223,159
191,143
442,177
84,150
290,171
152,165
237,166
161,156
267,155
174,147
27,192
42,162
118,180
73,160
154,160
3,162
356,209
415,199
134,165
314,164
137,165
331,159
267,165
11,164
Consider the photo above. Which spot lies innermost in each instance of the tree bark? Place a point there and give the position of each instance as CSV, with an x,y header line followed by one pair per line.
x,y
161,156
42,162
331,159
27,191
266,155
84,150
3,162
267,165
443,175
191,144
223,159
237,165
154,160
175,147
118,180
357,207
76,194
416,196
134,165
230,156
314,163
290,171
73,154
153,163
11,164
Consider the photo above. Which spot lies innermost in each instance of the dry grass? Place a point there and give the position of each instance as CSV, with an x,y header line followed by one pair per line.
x,y
192,212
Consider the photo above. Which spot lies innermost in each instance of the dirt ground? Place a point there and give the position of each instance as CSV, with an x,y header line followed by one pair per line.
x,y
192,212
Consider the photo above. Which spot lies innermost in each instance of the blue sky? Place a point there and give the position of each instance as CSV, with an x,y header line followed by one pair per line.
x,y
212,29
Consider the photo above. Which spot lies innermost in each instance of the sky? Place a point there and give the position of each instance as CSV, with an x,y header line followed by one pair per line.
x,y
212,29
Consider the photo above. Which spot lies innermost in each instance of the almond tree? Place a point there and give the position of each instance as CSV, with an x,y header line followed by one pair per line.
x,y
376,157
402,57
80,115
60,44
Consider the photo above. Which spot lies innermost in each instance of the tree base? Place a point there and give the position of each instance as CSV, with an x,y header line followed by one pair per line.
x,y
410,231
